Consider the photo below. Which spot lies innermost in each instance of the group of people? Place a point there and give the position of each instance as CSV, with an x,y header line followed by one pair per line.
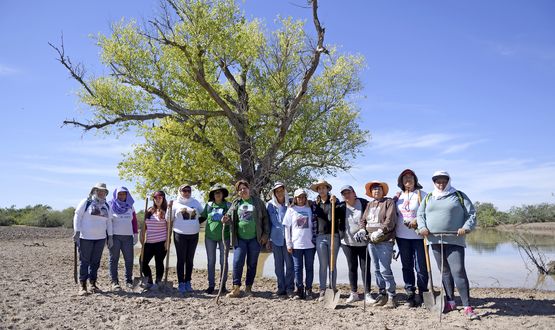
x,y
294,230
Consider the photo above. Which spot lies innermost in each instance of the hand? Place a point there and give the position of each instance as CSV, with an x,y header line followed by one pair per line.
x,y
269,246
360,235
135,239
412,224
170,204
110,241
461,232
264,239
225,218
376,236
333,199
424,232
290,250
167,245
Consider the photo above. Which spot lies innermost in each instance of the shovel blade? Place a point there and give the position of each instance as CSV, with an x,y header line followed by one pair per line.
x,y
432,301
331,298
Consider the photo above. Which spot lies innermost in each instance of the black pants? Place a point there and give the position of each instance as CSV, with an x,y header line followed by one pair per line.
x,y
185,247
356,255
158,251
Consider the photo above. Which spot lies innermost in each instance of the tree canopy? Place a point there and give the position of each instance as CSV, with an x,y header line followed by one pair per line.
x,y
217,97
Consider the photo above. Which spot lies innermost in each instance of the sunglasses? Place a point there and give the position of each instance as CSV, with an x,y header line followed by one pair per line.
x,y
186,190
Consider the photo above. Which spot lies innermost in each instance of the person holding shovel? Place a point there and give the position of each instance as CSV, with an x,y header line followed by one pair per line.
x,y
411,245
378,223
250,230
92,224
447,210
299,237
213,212
186,230
283,260
322,210
155,245
125,232
350,213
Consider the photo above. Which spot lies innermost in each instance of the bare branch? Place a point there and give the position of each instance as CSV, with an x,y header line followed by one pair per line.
x,y
119,119
77,72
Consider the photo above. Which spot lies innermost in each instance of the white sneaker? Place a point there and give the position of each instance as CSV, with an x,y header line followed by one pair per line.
x,y
369,299
352,298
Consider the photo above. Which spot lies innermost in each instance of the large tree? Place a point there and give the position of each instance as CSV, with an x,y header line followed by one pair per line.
x,y
218,98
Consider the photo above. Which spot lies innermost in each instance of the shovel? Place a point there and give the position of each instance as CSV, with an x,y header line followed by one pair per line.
x,y
223,271
431,300
138,281
331,298
168,285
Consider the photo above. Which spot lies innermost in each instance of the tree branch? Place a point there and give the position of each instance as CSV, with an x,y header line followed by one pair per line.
x,y
119,119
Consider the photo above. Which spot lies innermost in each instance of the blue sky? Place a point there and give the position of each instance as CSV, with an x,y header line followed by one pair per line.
x,y
465,86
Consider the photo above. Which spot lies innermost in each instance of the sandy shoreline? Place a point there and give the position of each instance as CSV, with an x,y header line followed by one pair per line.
x,y
37,291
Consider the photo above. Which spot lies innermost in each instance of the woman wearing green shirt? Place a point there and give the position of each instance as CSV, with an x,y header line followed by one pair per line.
x,y
250,230
213,212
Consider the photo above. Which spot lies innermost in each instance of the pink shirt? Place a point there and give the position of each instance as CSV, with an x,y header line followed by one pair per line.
x,y
156,229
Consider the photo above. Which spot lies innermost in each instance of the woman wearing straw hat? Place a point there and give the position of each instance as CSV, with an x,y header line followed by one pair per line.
x,y
213,212
92,223
250,230
321,209
186,230
299,236
125,235
411,245
378,222
446,209
283,261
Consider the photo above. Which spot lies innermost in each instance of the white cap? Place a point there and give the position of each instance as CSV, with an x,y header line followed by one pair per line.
x,y
298,192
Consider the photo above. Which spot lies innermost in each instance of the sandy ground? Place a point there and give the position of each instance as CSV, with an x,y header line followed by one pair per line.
x,y
37,291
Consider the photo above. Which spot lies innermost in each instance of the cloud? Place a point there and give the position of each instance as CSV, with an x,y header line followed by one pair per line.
x,y
398,140
75,170
6,70
106,148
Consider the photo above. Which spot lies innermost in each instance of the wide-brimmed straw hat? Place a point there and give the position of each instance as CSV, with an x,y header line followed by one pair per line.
x,y
99,186
368,187
321,182
277,184
400,179
215,188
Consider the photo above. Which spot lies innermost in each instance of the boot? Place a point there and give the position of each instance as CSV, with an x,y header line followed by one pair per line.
x,y
248,291
94,288
235,292
381,300
83,288
391,303
411,299
418,299
308,294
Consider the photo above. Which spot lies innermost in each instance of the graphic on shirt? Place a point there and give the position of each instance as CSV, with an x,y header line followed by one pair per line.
x,y
217,214
372,217
302,220
101,211
245,212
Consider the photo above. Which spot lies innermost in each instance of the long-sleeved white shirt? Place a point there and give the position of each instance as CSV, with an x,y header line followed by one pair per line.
x,y
122,224
92,226
182,225
298,227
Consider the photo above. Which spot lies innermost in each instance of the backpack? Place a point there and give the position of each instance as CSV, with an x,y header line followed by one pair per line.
x,y
89,202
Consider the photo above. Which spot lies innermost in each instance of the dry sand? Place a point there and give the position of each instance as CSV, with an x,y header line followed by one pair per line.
x,y
37,291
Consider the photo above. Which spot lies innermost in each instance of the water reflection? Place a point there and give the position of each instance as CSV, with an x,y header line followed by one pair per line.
x,y
492,260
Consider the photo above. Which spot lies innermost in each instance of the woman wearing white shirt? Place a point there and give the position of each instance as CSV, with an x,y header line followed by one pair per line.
x,y
186,229
411,245
300,233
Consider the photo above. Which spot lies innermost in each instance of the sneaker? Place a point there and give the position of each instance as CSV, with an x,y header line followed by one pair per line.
x,y
411,299
94,288
380,300
224,290
116,286
248,291
129,284
352,298
279,294
450,305
299,294
308,294
181,288
290,294
210,290
470,314
369,299
188,287
83,288
321,295
418,299
391,303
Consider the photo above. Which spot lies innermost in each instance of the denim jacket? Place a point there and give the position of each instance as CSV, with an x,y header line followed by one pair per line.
x,y
277,231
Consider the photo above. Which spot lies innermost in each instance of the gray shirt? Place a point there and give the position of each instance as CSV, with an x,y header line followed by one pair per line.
x,y
352,220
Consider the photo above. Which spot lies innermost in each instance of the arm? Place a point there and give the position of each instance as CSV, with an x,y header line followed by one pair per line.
x,y
109,227
421,219
264,222
134,223
470,212
78,216
204,214
287,225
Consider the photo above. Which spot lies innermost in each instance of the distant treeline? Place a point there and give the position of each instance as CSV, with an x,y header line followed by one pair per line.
x,y
487,214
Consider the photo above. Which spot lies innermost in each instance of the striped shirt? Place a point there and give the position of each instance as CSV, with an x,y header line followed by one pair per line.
x,y
156,230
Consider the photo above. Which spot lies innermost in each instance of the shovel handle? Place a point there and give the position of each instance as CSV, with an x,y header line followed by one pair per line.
x,y
444,233
332,261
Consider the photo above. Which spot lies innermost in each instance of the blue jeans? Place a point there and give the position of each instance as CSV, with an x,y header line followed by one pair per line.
x,y
90,253
308,256
382,253
413,258
283,264
323,247
211,246
123,243
249,249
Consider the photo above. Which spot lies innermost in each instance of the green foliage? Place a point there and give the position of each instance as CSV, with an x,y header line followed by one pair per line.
x,y
38,215
217,97
488,215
